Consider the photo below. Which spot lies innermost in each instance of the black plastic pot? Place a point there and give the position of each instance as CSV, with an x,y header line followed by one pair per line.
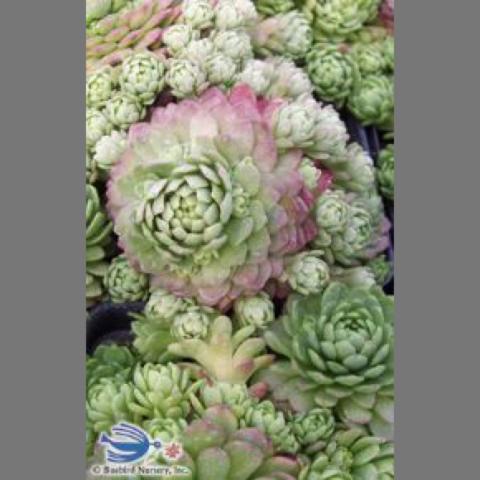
x,y
110,323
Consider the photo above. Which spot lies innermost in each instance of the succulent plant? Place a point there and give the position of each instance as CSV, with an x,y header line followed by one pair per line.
x,y
185,78
361,276
274,7
369,58
194,323
91,171
276,77
162,305
336,19
369,34
352,455
177,37
216,448
199,14
287,34
386,172
333,72
97,9
221,70
388,50
142,75
352,228
236,396
123,109
137,27
98,237
161,391
313,428
256,311
372,101
381,268
97,125
387,13
153,328
224,356
123,283
307,272
166,429
198,51
108,402
273,423
235,44
311,173
100,87
108,150
376,414
352,170
235,14
215,215
109,361
340,349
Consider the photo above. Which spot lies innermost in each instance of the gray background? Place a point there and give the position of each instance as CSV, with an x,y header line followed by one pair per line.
x,y
42,240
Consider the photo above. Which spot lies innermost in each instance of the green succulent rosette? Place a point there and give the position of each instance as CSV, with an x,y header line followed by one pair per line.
x,y
256,311
235,14
186,78
352,169
97,125
216,447
372,101
287,34
339,350
97,238
123,283
193,323
108,402
100,87
166,429
369,58
337,19
313,428
386,172
108,150
352,455
123,109
199,14
274,424
161,391
236,396
332,71
274,7
381,269
143,75
276,77
352,228
177,37
109,361
307,272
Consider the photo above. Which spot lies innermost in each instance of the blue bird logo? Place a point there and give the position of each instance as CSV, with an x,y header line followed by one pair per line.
x,y
127,444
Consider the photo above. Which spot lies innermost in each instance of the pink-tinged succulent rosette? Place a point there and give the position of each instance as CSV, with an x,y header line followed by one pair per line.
x,y
387,13
205,201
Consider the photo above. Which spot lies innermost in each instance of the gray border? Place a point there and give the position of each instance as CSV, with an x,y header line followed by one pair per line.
x,y
436,256
42,241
